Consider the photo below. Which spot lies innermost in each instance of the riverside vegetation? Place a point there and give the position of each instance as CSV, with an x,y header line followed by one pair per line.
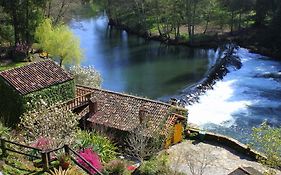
x,y
252,23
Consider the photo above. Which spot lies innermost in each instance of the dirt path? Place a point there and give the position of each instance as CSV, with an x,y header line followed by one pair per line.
x,y
209,159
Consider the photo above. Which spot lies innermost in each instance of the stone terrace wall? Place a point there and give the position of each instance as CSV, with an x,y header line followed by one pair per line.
x,y
224,141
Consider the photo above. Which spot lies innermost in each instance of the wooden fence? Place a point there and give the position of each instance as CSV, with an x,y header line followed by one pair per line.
x,y
6,146
77,102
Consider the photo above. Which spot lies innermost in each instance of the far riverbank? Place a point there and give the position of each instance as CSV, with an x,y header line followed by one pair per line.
x,y
252,38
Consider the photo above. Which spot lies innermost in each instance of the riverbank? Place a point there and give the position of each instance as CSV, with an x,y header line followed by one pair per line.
x,y
255,39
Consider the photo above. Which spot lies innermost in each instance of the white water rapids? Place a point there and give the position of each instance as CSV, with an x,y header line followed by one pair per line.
x,y
243,99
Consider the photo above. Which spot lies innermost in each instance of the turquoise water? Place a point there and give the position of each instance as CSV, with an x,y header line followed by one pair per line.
x,y
130,64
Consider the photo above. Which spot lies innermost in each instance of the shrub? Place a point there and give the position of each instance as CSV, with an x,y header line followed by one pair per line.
x,y
116,167
156,166
69,171
44,122
92,158
4,131
100,144
42,143
86,76
268,139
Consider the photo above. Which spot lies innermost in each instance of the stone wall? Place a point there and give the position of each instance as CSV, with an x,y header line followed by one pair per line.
x,y
223,141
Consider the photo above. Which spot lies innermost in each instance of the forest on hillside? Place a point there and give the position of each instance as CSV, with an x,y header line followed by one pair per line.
x,y
254,23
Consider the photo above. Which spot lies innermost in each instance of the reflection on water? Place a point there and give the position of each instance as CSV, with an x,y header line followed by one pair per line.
x,y
130,64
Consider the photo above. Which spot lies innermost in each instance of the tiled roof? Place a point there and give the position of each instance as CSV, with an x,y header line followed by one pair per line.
x,y
35,76
121,111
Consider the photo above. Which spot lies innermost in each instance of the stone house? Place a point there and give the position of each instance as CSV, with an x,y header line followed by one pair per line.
x,y
21,87
119,114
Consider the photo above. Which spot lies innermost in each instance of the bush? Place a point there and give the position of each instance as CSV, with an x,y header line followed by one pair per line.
x,y
4,131
86,76
59,124
116,167
268,139
100,144
92,158
156,166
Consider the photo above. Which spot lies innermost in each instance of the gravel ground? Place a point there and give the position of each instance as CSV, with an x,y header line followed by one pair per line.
x,y
207,159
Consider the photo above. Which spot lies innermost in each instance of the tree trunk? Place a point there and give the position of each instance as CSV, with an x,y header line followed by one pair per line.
x,y
240,19
61,62
27,37
207,23
232,22
15,24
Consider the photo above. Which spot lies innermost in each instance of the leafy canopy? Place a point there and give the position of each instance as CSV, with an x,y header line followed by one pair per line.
x,y
269,141
86,75
59,42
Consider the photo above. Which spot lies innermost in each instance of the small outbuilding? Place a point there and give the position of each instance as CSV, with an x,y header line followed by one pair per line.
x,y
21,87
120,114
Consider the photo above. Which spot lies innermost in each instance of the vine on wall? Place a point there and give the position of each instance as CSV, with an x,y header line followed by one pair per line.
x,y
13,105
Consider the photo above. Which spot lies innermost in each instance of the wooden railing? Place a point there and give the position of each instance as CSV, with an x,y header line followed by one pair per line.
x,y
5,148
82,98
76,102
80,90
46,155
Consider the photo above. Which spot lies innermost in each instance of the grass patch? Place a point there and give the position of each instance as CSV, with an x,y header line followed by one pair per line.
x,y
12,65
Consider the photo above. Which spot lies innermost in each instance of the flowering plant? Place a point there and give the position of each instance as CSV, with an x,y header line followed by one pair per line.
x,y
92,158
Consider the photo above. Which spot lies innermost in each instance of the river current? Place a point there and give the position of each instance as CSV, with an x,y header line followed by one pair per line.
x,y
243,99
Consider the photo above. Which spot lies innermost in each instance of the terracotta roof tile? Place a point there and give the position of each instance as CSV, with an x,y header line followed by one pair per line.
x,y
35,76
121,111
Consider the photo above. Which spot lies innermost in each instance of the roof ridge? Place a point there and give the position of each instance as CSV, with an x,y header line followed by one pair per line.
x,y
126,95
35,76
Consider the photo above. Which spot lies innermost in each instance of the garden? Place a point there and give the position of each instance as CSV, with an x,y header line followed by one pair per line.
x,y
47,140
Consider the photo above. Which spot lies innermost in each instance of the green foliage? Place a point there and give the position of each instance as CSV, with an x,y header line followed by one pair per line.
x,y
59,42
51,95
156,166
116,167
11,104
100,144
268,139
12,65
57,124
4,131
24,16
86,76
17,165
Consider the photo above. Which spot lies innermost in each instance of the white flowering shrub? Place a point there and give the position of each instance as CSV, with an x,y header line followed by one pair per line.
x,y
86,75
57,124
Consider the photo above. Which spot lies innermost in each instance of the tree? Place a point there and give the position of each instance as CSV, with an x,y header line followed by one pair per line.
x,y
268,139
54,123
59,42
142,143
58,10
261,7
86,76
25,16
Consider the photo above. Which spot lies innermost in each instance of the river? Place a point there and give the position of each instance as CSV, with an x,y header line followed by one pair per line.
x,y
130,64
127,63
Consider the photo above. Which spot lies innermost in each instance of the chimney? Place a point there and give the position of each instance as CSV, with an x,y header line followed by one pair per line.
x,y
93,106
142,114
174,101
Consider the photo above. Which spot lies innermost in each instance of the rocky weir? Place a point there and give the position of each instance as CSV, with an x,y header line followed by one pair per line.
x,y
229,60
